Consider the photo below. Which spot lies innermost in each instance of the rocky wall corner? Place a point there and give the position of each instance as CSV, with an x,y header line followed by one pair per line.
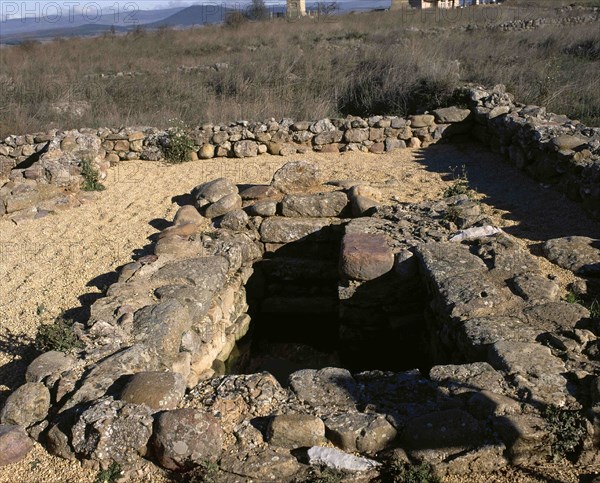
x,y
153,382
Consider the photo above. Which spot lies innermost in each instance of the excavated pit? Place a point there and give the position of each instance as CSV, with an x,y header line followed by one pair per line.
x,y
306,315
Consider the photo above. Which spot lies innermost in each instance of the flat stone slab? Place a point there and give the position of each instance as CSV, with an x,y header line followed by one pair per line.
x,y
285,230
296,431
365,256
533,368
296,177
157,390
329,388
365,433
579,254
317,205
451,114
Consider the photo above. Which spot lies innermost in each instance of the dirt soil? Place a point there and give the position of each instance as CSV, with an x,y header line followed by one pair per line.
x,y
63,262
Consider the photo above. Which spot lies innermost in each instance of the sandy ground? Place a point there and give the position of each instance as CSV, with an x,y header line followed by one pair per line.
x,y
63,261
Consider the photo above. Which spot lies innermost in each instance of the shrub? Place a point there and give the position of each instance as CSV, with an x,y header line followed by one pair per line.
x,y
91,178
110,474
460,185
207,472
395,471
235,19
57,336
258,10
568,430
178,145
324,475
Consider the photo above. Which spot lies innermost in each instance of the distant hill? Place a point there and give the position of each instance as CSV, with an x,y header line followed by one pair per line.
x,y
14,31
122,18
194,15
87,30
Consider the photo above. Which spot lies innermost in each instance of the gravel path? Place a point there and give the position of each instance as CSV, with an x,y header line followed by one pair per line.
x,y
63,261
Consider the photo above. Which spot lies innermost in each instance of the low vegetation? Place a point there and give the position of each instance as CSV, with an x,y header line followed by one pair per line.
x,y
204,473
460,183
91,178
568,430
396,471
57,336
178,145
109,475
378,62
592,305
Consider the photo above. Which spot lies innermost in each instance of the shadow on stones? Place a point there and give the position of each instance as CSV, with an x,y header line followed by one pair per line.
x,y
160,223
34,158
21,350
182,200
540,213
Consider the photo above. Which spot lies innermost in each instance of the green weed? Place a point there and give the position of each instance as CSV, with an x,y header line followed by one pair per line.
x,y
91,178
57,336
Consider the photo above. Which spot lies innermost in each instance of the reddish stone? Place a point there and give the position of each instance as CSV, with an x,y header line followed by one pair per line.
x,y
377,148
14,444
365,256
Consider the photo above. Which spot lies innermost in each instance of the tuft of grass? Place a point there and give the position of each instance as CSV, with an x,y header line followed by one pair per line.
x,y
207,472
57,336
573,298
593,306
396,471
568,430
460,185
179,145
325,475
110,474
91,178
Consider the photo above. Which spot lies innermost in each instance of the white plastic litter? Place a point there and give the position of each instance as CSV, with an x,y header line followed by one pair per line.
x,y
339,460
475,232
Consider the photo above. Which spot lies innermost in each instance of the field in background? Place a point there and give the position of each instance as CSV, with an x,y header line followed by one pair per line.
x,y
379,62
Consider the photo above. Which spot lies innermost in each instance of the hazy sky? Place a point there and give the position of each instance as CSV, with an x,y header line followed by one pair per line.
x,y
11,9
20,6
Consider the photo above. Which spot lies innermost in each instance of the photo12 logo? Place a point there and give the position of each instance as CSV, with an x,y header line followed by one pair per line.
x,y
70,12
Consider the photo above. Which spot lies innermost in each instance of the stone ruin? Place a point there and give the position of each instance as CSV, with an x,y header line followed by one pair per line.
x,y
278,329
44,169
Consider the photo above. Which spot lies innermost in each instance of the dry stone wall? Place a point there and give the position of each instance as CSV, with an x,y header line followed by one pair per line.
x,y
44,168
496,345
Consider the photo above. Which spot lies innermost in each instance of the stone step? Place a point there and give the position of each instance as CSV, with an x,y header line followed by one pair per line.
x,y
290,269
299,305
306,249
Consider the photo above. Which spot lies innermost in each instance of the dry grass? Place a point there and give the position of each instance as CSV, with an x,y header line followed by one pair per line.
x,y
380,62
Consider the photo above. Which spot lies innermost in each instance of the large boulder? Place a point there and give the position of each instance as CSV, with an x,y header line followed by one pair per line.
x,y
213,191
286,230
28,405
245,149
330,387
315,205
296,177
157,390
365,256
14,444
452,114
223,206
48,363
185,438
579,254
365,433
113,431
296,431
